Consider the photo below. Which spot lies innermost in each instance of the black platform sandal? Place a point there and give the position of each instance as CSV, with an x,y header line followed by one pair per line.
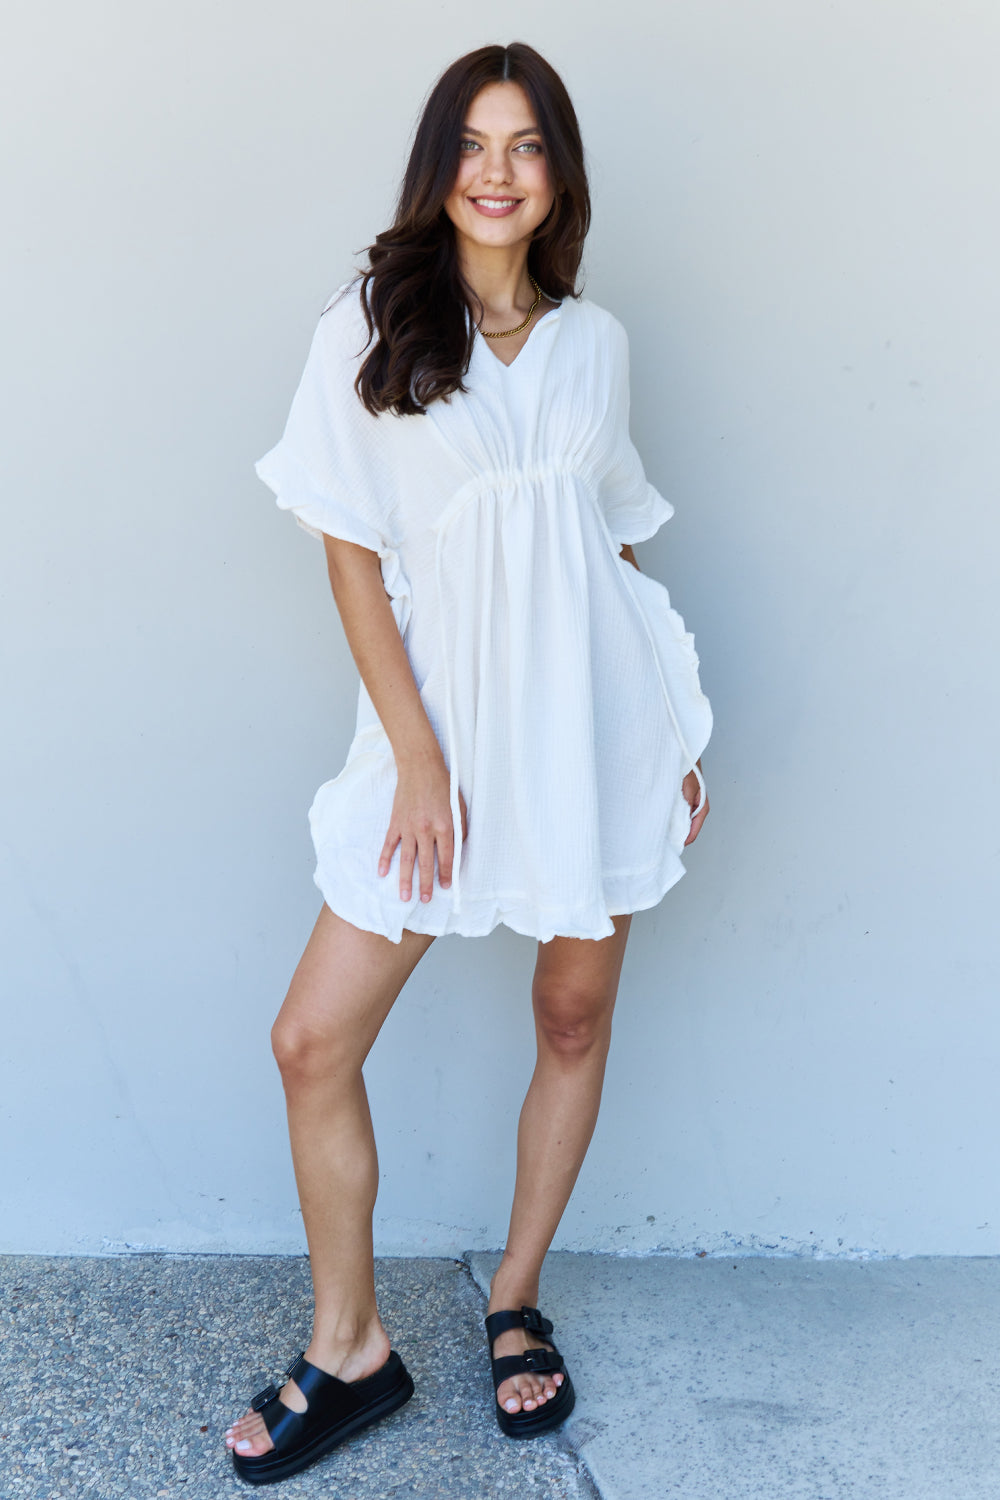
x,y
549,1414
337,1409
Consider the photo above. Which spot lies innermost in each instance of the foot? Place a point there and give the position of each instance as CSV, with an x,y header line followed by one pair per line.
x,y
249,1436
521,1392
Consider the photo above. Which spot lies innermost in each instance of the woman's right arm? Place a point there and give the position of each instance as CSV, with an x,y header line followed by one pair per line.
x,y
421,811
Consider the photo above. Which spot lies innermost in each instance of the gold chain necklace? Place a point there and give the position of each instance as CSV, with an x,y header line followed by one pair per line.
x,y
505,333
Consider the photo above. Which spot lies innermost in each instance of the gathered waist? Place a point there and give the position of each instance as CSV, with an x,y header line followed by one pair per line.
x,y
492,481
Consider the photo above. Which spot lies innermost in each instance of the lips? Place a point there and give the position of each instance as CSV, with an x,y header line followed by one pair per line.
x,y
496,208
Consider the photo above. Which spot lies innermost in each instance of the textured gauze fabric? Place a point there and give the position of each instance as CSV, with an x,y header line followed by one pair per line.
x,y
561,685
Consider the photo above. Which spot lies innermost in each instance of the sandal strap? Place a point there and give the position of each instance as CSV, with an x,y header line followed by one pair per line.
x,y
286,1427
325,1394
310,1380
269,1393
528,1318
530,1362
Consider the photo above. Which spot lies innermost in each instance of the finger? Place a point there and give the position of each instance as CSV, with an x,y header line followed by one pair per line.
x,y
445,856
388,850
425,867
407,854
696,824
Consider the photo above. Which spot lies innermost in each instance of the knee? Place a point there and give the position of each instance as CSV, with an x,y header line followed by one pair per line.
x,y
292,1047
305,1054
571,1020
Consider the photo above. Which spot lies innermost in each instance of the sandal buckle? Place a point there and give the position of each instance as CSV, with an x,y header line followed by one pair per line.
x,y
545,1361
263,1397
534,1322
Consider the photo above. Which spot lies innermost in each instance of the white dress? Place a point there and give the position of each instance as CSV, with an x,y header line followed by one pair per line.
x,y
561,685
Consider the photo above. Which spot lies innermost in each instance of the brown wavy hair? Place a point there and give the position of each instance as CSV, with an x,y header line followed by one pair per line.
x,y
415,300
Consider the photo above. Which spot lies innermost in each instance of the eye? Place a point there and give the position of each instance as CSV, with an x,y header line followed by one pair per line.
x,y
531,148
468,146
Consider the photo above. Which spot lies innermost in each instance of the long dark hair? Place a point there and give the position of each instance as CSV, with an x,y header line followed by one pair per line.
x,y
414,298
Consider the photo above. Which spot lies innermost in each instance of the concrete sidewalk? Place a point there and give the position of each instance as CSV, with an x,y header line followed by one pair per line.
x,y
784,1379
794,1380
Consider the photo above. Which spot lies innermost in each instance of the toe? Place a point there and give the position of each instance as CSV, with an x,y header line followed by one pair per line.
x,y
249,1436
254,1447
529,1396
508,1397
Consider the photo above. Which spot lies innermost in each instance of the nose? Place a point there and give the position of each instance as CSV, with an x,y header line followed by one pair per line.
x,y
496,165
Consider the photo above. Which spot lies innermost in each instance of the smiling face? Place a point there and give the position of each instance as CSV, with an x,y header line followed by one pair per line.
x,y
503,190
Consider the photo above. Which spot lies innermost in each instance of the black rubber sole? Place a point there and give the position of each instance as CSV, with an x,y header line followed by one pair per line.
x,y
531,1424
259,1471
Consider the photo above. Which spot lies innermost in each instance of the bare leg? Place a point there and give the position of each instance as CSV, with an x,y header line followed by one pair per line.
x,y
342,991
574,990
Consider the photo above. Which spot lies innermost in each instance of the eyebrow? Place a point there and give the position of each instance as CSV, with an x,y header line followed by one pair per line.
x,y
531,130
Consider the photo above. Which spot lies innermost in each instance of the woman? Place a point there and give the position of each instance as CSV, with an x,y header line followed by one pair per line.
x,y
529,719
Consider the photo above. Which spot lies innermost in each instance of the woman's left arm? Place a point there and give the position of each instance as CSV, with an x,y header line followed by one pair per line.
x,y
629,556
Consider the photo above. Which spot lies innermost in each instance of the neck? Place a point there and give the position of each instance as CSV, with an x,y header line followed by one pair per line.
x,y
499,278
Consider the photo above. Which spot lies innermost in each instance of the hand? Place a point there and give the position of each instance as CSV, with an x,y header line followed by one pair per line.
x,y
692,791
420,825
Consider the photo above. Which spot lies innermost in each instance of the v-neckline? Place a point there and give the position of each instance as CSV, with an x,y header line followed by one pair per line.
x,y
504,364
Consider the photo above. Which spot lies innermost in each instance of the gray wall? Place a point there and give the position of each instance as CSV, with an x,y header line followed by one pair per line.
x,y
796,218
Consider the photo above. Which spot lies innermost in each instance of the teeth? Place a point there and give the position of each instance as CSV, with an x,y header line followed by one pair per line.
x,y
496,202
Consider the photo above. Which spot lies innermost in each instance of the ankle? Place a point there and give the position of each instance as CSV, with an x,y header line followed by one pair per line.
x,y
344,1341
513,1287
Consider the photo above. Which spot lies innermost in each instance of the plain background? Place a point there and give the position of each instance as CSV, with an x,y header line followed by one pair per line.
x,y
796,218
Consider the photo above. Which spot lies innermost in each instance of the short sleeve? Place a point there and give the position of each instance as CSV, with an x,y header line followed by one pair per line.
x,y
329,468
633,509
